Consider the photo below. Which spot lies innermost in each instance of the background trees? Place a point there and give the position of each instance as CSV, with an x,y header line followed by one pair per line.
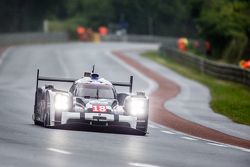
x,y
225,23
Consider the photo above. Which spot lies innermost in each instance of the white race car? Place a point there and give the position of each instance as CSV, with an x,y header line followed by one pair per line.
x,y
90,101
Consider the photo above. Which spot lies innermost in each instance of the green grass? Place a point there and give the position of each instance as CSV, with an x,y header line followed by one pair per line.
x,y
228,98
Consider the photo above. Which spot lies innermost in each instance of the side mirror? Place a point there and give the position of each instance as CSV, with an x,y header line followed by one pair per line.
x,y
79,100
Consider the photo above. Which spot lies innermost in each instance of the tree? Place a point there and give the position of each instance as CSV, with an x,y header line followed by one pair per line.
x,y
225,24
25,15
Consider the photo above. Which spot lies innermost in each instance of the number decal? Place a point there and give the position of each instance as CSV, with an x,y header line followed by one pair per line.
x,y
102,108
99,108
94,108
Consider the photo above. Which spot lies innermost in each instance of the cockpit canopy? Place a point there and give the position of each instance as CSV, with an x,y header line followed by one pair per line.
x,y
97,91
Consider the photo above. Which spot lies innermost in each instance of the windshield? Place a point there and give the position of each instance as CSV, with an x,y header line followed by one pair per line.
x,y
95,91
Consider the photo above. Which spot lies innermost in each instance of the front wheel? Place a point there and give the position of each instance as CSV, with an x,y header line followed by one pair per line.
x,y
36,122
34,119
46,121
46,118
142,126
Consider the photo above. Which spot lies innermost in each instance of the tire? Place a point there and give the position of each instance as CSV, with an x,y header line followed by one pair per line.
x,y
34,119
46,121
143,126
46,118
143,129
36,122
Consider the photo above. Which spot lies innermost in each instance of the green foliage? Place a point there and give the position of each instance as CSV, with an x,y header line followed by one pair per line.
x,y
93,12
26,15
68,25
155,17
87,13
226,24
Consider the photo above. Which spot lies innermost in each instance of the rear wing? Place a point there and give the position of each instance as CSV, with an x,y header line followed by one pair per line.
x,y
42,78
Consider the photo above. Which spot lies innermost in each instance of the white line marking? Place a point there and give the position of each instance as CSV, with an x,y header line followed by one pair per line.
x,y
245,150
219,145
211,141
152,126
142,164
188,138
5,53
168,132
59,151
161,126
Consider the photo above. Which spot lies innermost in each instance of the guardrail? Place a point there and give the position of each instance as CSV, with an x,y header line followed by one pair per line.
x,y
169,49
32,37
223,71
142,38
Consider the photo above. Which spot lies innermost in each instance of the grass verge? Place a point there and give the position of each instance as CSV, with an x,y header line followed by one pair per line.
x,y
228,98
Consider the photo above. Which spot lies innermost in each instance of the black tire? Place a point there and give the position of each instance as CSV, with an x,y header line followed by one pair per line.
x,y
34,119
143,129
38,99
143,126
36,122
46,122
46,118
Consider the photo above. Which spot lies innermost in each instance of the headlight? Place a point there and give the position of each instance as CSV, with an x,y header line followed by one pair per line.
x,y
62,102
137,107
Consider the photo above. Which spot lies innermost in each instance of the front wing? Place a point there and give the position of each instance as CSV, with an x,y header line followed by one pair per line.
x,y
103,121
98,118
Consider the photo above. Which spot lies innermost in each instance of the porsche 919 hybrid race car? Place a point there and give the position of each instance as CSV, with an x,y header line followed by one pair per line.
x,y
91,100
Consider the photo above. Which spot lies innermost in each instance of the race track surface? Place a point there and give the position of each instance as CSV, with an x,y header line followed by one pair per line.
x,y
23,144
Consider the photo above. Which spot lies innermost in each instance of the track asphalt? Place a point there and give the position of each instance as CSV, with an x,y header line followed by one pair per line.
x,y
22,144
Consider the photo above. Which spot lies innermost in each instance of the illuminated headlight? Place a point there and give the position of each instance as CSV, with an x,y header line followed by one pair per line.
x,y
137,107
62,102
